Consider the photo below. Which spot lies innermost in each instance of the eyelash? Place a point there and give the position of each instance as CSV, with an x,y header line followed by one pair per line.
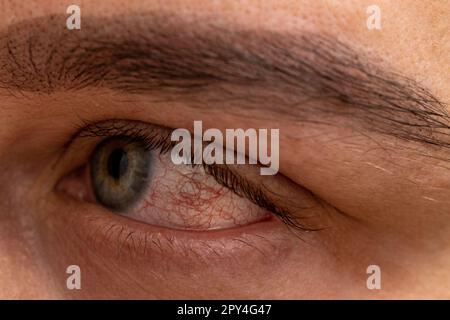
x,y
156,140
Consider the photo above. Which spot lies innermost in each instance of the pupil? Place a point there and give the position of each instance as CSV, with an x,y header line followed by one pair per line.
x,y
117,163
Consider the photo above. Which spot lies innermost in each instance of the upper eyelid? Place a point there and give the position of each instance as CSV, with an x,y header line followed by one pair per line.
x,y
106,128
113,127
158,136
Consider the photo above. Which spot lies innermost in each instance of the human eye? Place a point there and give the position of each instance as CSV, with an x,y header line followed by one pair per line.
x,y
128,172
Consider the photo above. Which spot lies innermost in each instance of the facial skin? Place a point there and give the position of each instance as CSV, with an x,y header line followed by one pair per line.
x,y
377,197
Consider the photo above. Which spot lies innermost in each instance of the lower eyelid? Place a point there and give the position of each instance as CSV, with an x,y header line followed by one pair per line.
x,y
109,234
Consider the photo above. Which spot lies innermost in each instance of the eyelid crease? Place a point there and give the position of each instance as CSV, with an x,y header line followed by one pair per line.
x,y
158,137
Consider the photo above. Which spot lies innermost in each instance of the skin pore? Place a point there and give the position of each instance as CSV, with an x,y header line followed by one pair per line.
x,y
376,197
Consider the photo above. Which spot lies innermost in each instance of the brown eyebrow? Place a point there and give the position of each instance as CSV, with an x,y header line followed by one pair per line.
x,y
307,76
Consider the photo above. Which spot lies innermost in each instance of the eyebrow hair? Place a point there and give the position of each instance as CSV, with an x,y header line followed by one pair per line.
x,y
307,76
